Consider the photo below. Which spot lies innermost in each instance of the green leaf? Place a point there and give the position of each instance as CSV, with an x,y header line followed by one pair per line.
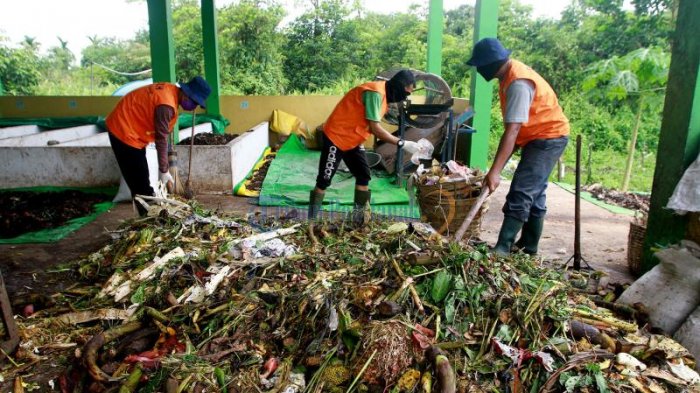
x,y
139,295
450,309
504,333
571,383
441,286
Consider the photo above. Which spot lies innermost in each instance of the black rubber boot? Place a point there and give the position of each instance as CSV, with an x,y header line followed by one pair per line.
x,y
315,203
530,238
506,237
361,212
142,212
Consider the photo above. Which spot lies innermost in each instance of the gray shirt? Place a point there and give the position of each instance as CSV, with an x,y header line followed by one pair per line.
x,y
519,98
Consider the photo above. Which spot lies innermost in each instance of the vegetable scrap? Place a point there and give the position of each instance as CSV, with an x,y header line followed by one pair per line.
x,y
189,300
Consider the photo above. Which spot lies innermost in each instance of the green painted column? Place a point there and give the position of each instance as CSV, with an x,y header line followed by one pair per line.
x,y
435,22
211,55
160,23
679,142
474,150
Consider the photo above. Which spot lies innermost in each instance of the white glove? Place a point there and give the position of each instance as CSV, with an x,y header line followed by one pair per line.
x,y
410,147
166,178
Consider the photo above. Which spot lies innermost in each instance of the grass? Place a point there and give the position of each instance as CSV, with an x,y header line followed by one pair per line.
x,y
607,167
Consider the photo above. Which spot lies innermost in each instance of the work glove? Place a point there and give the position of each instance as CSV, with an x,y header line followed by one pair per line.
x,y
166,178
410,147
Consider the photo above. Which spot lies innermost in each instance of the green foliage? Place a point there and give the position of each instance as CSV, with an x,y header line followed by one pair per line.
x,y
106,55
319,46
252,48
19,69
618,55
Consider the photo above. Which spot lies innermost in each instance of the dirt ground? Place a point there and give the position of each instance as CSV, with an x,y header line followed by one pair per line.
x,y
37,267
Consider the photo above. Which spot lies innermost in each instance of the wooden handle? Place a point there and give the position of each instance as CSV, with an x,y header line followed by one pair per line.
x,y
472,213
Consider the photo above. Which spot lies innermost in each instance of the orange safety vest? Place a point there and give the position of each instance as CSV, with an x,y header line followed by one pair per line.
x,y
133,119
347,126
546,118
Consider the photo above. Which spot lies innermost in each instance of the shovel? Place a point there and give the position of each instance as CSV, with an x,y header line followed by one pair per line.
x,y
472,213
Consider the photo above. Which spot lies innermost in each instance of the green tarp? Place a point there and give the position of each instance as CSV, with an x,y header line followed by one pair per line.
x,y
55,234
586,196
218,122
292,175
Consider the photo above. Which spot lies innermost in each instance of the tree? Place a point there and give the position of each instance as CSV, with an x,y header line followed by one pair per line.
x,y
60,58
113,61
317,54
252,50
19,69
634,79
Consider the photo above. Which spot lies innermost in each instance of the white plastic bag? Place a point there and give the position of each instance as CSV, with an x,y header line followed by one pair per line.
x,y
124,193
669,290
425,151
686,196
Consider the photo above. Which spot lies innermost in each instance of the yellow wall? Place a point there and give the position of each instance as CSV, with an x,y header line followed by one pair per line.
x,y
243,112
46,106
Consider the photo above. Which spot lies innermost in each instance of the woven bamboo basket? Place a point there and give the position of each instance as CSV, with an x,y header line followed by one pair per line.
x,y
445,205
635,248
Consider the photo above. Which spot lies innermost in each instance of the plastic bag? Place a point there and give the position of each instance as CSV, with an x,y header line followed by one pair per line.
x,y
425,151
284,123
124,193
686,196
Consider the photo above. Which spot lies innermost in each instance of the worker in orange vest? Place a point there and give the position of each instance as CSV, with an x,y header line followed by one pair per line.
x,y
147,115
354,119
534,123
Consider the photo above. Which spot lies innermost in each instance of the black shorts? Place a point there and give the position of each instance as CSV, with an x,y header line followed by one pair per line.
x,y
355,159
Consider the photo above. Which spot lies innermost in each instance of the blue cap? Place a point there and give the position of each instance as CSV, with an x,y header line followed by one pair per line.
x,y
487,51
197,89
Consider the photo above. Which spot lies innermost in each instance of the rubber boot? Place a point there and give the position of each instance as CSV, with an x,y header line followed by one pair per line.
x,y
315,203
530,238
506,237
142,212
361,212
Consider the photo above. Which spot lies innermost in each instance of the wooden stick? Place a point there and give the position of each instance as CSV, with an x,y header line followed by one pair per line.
x,y
472,213
411,287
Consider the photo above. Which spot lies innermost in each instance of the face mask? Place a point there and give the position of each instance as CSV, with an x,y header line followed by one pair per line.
x,y
489,71
187,104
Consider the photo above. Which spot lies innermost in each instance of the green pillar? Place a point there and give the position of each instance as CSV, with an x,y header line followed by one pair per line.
x,y
679,141
211,55
474,151
160,23
435,22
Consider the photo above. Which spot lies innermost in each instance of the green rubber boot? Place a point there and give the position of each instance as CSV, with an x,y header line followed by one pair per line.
x,y
361,212
315,203
530,238
506,237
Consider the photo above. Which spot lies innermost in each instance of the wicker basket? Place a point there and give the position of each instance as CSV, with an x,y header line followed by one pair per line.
x,y
635,247
446,205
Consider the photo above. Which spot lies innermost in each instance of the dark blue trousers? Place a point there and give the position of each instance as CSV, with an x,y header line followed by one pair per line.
x,y
526,197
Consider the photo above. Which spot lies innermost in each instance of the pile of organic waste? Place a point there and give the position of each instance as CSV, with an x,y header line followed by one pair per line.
x,y
209,139
189,301
628,200
29,211
255,180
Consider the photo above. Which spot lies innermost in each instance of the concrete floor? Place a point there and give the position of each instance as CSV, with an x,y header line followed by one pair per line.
x,y
35,267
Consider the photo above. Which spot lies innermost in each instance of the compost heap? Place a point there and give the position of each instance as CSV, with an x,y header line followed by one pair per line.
x,y
185,301
28,211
